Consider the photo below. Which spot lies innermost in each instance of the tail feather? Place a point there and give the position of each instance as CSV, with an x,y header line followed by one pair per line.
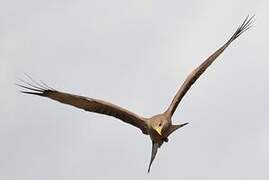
x,y
175,127
154,151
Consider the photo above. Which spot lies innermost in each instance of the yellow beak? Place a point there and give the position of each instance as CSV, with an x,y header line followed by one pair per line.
x,y
159,130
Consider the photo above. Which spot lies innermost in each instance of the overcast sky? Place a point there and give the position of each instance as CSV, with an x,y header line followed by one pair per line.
x,y
134,53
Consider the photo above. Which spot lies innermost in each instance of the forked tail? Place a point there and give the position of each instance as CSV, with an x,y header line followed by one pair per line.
x,y
154,151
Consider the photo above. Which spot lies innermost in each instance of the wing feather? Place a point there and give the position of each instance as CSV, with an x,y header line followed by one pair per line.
x,y
88,104
196,73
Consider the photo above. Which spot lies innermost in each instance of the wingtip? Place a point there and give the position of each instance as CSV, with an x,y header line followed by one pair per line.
x,y
33,93
34,88
247,24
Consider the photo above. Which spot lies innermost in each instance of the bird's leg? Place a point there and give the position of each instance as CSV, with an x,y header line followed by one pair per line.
x,y
165,139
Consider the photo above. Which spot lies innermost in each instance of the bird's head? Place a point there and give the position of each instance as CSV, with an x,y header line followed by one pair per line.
x,y
159,125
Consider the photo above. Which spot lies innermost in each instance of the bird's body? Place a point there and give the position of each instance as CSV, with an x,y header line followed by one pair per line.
x,y
158,127
154,123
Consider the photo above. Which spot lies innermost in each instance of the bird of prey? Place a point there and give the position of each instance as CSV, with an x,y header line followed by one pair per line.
x,y
158,127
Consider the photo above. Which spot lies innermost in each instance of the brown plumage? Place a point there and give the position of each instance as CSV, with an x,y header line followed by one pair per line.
x,y
158,127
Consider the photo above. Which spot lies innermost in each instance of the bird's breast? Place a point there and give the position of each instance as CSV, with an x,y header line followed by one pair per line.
x,y
155,137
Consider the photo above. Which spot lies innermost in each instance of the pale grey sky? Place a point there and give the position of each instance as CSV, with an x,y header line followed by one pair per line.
x,y
134,53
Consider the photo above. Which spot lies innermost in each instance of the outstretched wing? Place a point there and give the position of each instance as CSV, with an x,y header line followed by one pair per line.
x,y
88,104
196,73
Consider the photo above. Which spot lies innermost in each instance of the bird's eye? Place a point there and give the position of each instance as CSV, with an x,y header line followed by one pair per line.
x,y
160,124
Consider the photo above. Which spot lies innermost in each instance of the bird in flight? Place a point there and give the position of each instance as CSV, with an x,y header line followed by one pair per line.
x,y
158,127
